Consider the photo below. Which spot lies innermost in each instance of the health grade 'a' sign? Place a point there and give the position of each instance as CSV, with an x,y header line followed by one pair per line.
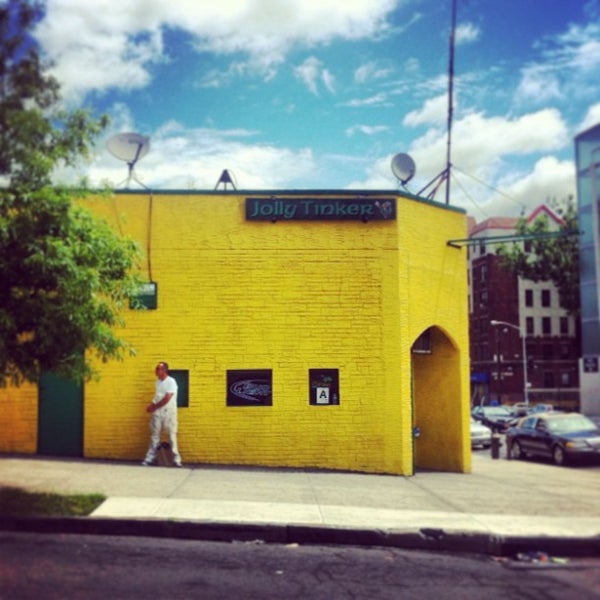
x,y
320,209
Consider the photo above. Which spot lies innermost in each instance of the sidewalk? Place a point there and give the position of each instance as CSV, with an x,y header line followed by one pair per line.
x,y
502,507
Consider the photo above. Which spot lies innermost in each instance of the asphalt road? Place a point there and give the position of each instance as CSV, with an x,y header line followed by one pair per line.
x,y
96,567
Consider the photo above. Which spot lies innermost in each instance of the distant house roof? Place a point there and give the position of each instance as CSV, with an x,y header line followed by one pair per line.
x,y
545,209
493,223
511,222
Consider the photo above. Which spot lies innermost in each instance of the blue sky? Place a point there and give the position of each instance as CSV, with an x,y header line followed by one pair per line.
x,y
321,94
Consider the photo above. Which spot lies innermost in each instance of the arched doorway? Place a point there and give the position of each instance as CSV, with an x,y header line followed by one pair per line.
x,y
437,403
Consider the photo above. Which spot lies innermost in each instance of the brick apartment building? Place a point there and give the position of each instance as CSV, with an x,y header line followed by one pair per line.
x,y
552,345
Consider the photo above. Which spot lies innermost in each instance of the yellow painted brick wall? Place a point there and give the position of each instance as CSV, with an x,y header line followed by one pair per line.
x,y
18,419
436,279
286,296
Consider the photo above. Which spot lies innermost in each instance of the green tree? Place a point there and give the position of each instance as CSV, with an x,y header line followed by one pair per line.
x,y
64,274
549,257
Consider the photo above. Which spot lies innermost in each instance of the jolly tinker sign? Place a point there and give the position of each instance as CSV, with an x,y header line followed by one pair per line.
x,y
318,209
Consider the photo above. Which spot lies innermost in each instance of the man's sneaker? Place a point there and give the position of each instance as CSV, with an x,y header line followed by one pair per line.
x,y
178,464
146,463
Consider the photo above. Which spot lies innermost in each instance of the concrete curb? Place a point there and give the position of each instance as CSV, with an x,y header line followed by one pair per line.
x,y
423,539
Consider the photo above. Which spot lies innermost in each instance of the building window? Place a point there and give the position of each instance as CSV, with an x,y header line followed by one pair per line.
x,y
528,297
548,379
548,351
564,325
482,248
485,352
565,379
546,326
565,350
529,325
546,298
483,273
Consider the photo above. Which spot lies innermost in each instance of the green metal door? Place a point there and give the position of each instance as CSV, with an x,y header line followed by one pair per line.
x,y
60,418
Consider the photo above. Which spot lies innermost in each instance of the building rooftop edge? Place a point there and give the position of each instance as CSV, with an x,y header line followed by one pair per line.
x,y
291,192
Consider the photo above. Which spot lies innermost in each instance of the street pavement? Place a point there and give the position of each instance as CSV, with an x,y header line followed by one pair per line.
x,y
503,507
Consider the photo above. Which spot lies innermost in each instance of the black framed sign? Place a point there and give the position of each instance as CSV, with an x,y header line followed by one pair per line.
x,y
324,386
320,209
250,387
146,296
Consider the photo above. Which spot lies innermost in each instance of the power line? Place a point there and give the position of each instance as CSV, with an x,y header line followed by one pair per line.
x,y
487,185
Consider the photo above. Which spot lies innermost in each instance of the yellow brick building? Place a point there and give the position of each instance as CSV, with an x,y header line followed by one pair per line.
x,y
306,329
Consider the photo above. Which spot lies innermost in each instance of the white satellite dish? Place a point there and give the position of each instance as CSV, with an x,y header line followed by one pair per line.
x,y
129,147
403,168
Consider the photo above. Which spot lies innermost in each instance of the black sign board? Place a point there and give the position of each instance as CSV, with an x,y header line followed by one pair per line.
x,y
250,387
590,364
324,386
145,297
320,209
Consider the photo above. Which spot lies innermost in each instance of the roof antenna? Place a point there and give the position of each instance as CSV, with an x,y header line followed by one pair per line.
x,y
450,99
444,176
129,147
225,179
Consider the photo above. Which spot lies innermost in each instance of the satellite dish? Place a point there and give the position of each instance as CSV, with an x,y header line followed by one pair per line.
x,y
129,147
403,168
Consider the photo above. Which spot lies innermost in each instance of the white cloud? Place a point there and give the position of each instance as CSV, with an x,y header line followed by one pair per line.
x,y
550,178
486,148
181,158
369,72
466,33
111,43
328,80
433,112
366,129
379,99
309,72
569,67
591,118
539,83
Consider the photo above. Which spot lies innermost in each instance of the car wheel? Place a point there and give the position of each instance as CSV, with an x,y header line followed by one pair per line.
x,y
559,456
516,451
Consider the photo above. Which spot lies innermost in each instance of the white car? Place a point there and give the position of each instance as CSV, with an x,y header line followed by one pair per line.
x,y
481,436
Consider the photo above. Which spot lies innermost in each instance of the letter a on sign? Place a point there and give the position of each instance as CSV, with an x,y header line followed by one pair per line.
x,y
322,395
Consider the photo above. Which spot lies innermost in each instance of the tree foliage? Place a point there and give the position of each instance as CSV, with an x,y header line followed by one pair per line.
x,y
554,259
64,274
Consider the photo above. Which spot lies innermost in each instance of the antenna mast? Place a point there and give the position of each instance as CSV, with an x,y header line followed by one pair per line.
x,y
450,100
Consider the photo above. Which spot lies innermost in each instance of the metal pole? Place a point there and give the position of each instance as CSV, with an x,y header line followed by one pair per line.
x,y
595,218
525,377
523,352
450,100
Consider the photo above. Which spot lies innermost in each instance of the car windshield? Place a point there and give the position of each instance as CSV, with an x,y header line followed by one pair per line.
x,y
570,424
497,411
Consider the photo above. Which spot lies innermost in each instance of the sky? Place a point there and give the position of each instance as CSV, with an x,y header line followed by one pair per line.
x,y
322,94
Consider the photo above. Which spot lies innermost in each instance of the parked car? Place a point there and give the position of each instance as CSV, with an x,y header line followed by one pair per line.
x,y
481,436
520,409
560,436
494,417
541,408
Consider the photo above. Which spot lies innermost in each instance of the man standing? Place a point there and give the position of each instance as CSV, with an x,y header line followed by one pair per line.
x,y
164,414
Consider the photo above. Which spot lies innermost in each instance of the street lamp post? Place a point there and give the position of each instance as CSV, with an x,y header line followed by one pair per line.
x,y
524,353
